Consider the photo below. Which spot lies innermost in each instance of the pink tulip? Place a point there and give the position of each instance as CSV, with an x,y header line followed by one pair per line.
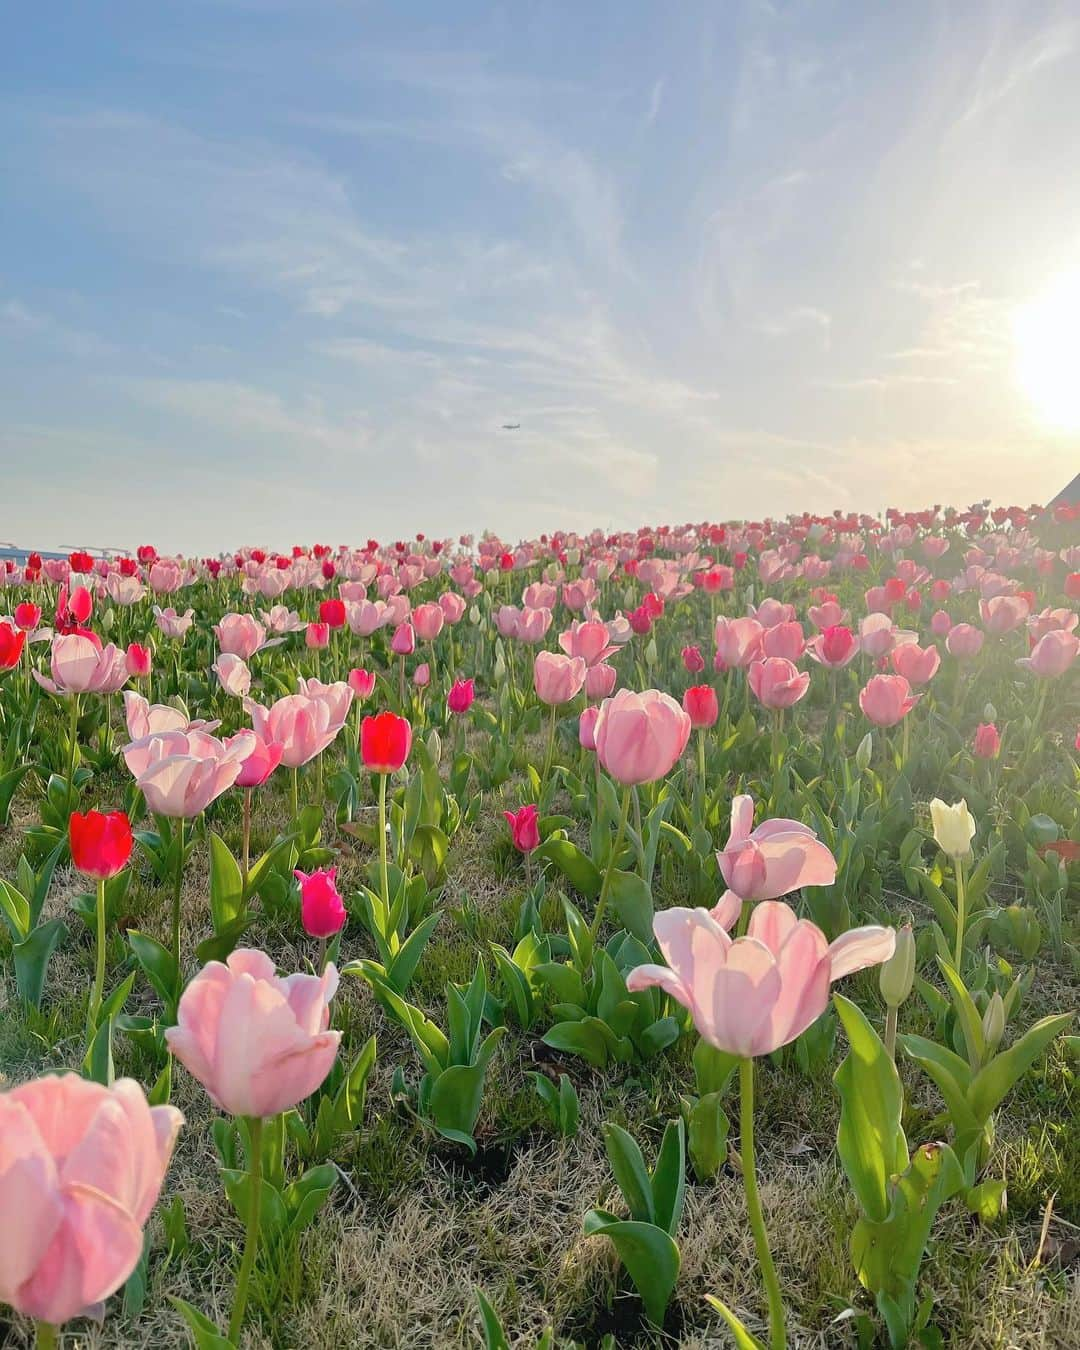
x,y
918,665
366,617
233,674
776,683
556,678
427,621
81,1167
1002,614
1038,625
1052,655
304,724
257,1043
987,742
539,595
452,606
640,737
964,641
181,772
240,635
786,640
887,699
317,636
738,642
771,612
827,615
171,624
145,719
322,910
587,727
878,635
600,681
940,623
507,618
532,625
422,675
80,665
834,647
757,993
589,640
264,758
362,683
778,857
403,643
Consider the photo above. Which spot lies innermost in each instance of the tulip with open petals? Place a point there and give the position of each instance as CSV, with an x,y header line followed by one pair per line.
x,y
258,1044
778,857
240,634
1052,655
918,665
757,993
81,1167
776,683
181,772
80,665
233,674
304,724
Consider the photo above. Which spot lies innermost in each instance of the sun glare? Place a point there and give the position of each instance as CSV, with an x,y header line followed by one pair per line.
x,y
1047,336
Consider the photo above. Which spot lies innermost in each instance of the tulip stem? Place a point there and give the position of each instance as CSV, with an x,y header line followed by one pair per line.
x,y
777,1337
177,884
613,856
890,1031
701,770
46,1335
251,1239
295,792
245,866
73,745
382,843
548,755
99,973
322,956
961,908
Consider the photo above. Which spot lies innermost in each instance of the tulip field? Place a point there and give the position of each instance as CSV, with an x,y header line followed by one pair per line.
x,y
638,939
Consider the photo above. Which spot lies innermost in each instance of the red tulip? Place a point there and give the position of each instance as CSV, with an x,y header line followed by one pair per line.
x,y
987,743
385,742
137,661
27,616
693,661
700,705
332,613
12,642
80,605
100,844
524,828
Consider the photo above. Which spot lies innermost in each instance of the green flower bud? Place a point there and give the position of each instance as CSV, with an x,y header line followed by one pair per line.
x,y
864,752
898,973
651,654
993,1024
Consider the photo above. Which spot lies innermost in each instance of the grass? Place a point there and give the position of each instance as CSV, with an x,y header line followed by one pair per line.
x,y
414,1227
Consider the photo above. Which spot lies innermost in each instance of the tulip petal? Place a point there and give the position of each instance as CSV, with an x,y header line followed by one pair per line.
x,y
860,947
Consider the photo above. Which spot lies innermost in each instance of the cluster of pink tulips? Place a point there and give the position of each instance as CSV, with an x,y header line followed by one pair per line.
x,y
719,762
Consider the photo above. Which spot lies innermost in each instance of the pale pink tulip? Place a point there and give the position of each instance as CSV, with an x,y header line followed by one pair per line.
x,y
240,635
1002,614
532,625
600,681
233,674
557,678
260,763
918,665
81,1167
258,1044
181,772
146,719
427,621
171,624
304,724
452,606
757,993
640,737
589,640
776,683
1052,655
887,699
784,639
738,642
778,857
964,641
80,665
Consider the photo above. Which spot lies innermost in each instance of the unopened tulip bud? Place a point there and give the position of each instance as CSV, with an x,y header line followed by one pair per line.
x,y
954,827
651,654
105,623
898,973
989,713
864,752
499,673
603,572
474,614
993,1023
573,556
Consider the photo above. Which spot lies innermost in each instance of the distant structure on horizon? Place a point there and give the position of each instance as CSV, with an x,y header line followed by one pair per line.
x,y
1068,496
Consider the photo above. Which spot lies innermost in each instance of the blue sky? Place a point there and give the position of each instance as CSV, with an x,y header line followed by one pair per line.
x,y
280,271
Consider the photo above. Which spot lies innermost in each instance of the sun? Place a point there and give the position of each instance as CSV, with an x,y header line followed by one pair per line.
x,y
1046,333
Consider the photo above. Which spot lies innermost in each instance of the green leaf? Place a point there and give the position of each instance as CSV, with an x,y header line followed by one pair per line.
x,y
744,1340
870,1139
98,1062
205,1335
630,1172
403,966
159,966
649,1254
633,903
669,1177
224,940
967,1014
590,1039
494,1336
16,911
707,1136
577,867
226,885
993,1082
32,956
